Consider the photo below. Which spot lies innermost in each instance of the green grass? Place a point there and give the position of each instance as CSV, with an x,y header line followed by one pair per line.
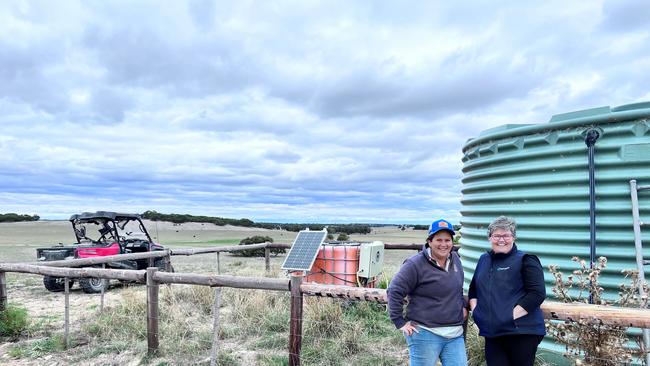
x,y
224,241
273,360
38,348
277,341
227,359
13,321
100,349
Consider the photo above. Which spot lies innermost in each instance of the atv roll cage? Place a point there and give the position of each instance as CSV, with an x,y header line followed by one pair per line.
x,y
108,227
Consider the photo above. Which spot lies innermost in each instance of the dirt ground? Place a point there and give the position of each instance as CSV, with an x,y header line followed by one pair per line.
x,y
18,243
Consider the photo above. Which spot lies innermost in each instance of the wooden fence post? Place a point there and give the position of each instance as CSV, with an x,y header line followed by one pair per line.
x,y
267,259
101,305
168,262
3,291
152,312
218,264
215,326
295,323
66,316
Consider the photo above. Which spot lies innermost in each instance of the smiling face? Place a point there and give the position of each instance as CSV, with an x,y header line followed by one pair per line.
x,y
502,241
440,244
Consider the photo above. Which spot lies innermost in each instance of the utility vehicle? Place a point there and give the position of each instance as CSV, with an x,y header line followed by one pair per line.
x,y
101,234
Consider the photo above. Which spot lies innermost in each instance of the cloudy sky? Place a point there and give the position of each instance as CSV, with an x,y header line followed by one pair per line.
x,y
303,111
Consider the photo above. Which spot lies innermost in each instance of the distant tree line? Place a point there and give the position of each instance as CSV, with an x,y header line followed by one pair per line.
x,y
426,227
182,218
221,221
12,217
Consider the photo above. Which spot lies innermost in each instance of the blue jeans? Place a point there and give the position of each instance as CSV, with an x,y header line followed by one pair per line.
x,y
425,348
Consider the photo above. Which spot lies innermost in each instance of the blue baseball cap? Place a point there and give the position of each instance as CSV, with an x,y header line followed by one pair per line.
x,y
441,225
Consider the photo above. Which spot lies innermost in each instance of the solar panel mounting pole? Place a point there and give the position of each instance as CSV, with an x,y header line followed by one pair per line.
x,y
295,323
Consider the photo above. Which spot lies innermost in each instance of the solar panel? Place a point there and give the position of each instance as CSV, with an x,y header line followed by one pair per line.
x,y
304,250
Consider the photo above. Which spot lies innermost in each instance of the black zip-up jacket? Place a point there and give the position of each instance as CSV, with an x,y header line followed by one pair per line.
x,y
435,296
500,282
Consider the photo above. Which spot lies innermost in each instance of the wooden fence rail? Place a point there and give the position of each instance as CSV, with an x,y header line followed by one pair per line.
x,y
260,283
117,274
232,248
81,262
186,251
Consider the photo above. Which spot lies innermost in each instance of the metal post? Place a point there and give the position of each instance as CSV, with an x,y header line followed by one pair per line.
x,y
152,312
3,291
66,313
267,259
295,323
590,140
591,137
638,248
215,326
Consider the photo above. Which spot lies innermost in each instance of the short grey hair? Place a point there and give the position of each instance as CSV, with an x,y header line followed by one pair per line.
x,y
505,223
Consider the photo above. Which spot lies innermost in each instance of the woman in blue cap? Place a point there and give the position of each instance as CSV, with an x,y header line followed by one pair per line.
x,y
432,280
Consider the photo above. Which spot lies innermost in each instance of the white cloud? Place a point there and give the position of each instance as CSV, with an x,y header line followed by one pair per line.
x,y
309,111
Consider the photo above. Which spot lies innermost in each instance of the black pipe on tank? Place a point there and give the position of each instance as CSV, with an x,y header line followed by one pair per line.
x,y
590,140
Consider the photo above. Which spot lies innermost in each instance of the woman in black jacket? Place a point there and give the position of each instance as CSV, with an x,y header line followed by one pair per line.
x,y
505,297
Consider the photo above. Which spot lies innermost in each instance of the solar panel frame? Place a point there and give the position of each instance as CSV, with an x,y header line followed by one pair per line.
x,y
304,250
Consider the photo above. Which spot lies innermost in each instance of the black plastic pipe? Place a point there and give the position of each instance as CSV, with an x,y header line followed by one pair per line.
x,y
590,140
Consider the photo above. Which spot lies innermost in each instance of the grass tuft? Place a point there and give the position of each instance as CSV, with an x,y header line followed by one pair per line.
x,y
13,321
38,348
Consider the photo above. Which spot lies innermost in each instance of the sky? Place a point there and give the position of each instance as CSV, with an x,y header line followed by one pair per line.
x,y
289,111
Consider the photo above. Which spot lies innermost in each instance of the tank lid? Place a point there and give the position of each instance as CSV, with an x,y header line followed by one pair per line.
x,y
631,107
592,116
580,114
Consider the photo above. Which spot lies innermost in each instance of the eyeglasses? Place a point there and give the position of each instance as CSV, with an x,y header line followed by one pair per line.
x,y
501,237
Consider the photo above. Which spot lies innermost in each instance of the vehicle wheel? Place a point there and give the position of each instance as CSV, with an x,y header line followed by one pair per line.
x,y
91,285
54,284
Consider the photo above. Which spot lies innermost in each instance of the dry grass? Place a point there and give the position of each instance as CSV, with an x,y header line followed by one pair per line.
x,y
254,324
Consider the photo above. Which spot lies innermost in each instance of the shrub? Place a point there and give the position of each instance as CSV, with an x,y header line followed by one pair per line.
x,y
13,321
257,252
598,344
343,237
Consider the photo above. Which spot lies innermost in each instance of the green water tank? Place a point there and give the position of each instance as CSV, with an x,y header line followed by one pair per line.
x,y
538,174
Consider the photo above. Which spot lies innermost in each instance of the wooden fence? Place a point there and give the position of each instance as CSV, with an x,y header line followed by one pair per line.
x,y
627,317
193,251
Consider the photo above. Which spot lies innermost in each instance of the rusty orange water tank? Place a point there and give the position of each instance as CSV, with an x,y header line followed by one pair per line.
x,y
337,264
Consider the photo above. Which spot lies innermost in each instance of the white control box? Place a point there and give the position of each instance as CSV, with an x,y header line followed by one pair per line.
x,y
371,259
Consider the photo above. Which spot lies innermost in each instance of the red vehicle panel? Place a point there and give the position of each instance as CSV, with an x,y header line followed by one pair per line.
x,y
111,249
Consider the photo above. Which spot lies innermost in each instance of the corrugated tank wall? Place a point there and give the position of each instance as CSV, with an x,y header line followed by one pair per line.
x,y
538,174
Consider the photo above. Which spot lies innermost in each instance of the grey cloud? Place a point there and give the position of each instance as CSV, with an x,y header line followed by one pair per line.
x,y
141,57
626,15
461,84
